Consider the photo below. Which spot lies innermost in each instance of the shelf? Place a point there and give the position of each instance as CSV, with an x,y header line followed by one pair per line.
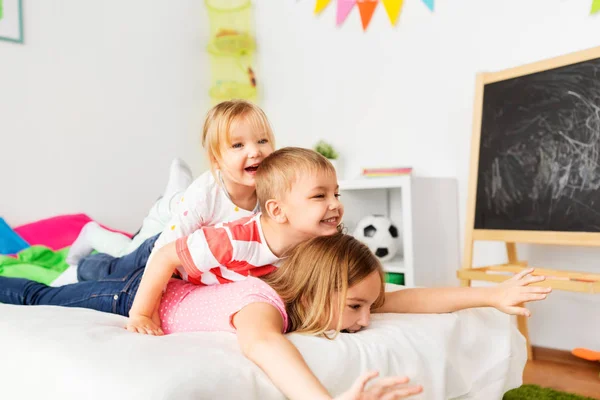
x,y
375,183
395,265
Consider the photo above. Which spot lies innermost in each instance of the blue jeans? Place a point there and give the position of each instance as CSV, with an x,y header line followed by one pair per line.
x,y
99,266
113,294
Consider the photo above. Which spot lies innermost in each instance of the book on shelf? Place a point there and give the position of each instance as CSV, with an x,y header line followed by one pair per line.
x,y
378,172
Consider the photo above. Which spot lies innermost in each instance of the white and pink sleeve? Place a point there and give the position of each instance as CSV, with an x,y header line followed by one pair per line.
x,y
191,212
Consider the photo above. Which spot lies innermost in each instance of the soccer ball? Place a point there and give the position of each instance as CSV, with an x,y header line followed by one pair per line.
x,y
380,235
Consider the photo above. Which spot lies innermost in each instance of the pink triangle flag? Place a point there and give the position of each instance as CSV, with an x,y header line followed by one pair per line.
x,y
343,9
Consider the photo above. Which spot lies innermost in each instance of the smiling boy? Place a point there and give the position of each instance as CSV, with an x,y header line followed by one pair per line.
x,y
298,194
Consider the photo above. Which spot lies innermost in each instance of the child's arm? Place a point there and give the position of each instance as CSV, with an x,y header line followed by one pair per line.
x,y
506,297
259,332
147,299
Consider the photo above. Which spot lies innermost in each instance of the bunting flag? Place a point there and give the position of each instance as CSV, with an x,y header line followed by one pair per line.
x,y
393,7
366,9
321,5
343,9
429,3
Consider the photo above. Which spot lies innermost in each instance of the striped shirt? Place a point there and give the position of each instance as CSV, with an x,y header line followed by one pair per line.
x,y
226,252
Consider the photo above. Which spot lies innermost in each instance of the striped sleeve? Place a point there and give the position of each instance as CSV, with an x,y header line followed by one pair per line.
x,y
203,250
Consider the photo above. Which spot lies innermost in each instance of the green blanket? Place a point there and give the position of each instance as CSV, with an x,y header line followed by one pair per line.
x,y
37,263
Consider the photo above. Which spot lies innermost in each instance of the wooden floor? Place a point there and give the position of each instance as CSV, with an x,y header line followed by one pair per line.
x,y
573,376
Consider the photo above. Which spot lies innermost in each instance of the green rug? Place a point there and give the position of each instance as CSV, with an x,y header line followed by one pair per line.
x,y
527,392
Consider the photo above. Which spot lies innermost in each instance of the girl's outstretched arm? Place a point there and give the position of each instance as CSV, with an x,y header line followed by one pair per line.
x,y
507,296
147,299
259,331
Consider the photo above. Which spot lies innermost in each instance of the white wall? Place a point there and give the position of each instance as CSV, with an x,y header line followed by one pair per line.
x,y
103,94
404,96
96,103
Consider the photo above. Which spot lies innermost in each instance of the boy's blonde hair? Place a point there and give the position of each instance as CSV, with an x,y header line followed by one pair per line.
x,y
279,171
217,127
318,268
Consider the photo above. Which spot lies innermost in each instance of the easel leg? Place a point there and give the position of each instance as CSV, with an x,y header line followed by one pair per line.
x,y
524,329
467,261
511,251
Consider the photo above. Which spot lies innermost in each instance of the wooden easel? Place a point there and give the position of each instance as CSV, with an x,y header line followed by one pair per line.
x,y
557,279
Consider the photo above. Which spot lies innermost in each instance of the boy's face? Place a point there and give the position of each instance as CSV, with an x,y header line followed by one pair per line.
x,y
312,206
248,148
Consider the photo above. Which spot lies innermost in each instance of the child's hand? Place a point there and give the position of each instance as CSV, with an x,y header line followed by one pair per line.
x,y
384,389
508,295
144,325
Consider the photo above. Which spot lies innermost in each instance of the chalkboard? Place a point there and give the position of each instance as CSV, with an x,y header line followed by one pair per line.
x,y
539,153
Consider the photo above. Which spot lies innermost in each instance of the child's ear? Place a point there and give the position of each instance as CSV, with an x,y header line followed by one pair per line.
x,y
274,210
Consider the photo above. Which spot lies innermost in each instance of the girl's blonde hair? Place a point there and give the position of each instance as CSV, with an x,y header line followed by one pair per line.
x,y
217,127
317,269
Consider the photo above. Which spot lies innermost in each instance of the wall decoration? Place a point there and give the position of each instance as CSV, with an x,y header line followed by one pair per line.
x,y
231,50
11,20
393,7
366,9
595,6
343,9
429,3
320,5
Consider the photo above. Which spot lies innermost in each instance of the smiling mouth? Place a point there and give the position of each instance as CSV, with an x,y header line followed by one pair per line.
x,y
332,220
251,168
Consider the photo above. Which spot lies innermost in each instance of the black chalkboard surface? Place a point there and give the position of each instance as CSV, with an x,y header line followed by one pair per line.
x,y
539,153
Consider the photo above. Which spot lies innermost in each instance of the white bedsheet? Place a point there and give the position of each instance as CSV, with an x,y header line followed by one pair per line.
x,y
70,353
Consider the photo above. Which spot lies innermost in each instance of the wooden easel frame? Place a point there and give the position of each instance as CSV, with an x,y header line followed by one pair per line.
x,y
557,279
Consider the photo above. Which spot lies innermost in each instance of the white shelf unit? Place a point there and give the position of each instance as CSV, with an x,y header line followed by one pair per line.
x,y
425,211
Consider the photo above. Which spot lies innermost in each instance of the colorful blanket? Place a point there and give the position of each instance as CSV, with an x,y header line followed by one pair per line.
x,y
10,241
37,263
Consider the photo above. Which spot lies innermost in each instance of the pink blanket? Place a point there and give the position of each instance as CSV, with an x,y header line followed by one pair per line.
x,y
56,232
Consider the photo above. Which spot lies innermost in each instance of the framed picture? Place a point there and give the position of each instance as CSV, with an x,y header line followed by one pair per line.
x,y
11,20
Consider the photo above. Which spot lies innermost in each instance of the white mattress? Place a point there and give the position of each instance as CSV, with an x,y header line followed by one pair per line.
x,y
70,353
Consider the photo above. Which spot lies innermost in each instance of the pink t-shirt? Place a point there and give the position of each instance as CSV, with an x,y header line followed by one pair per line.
x,y
186,307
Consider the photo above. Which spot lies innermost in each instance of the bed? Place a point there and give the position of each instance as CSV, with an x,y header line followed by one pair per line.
x,y
70,353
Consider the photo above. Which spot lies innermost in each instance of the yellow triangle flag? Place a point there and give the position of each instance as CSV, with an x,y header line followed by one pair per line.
x,y
595,6
321,5
393,7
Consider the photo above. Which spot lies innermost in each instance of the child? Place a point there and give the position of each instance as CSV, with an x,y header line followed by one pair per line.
x,y
329,284
298,195
237,136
